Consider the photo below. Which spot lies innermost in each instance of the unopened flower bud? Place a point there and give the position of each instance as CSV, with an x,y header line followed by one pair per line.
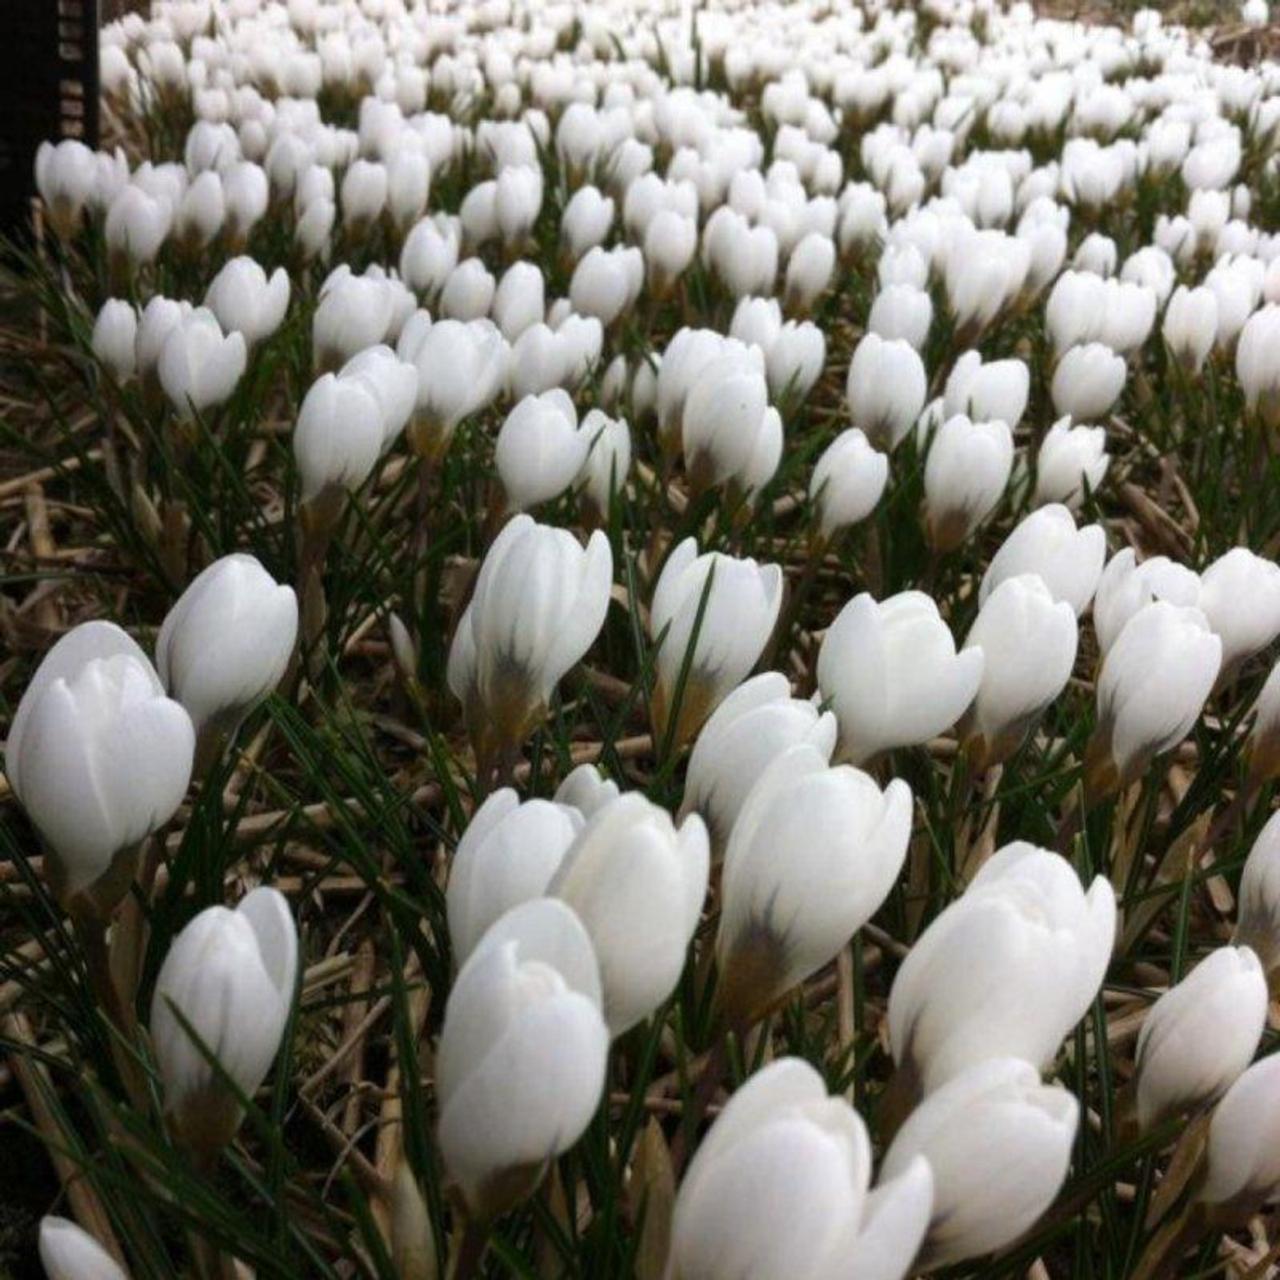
x,y
1200,1035
742,602
229,976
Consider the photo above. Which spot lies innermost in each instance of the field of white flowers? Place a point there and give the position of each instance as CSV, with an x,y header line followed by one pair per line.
x,y
638,641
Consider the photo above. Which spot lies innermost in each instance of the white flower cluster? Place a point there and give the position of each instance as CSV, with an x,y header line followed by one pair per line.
x,y
811,263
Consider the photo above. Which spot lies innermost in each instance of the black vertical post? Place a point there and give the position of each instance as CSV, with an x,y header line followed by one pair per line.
x,y
48,90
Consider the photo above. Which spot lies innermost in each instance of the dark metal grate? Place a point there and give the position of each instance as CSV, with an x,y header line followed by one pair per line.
x,y
48,90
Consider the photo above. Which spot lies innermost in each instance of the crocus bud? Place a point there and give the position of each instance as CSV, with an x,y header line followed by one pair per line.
x,y
199,367
408,185
244,300
754,725
743,257
862,220
469,292
1151,690
579,140
1258,925
404,649
780,1186
198,219
1008,968
163,64
539,603
538,361
637,884
68,1252
669,245
1087,382
539,449
99,758
742,601
688,354
517,200
902,263
237,599
1028,641
115,338
605,282
1075,310
604,470
1243,1153
65,178
901,311
1240,596
847,483
460,368
984,272
1168,141
794,360
1125,586
506,856
286,162
893,1226
1200,1035
585,790
136,227
522,1056
812,855
1097,254
364,196
1128,317
998,1143
730,435
229,975
314,229
1047,543
164,181
247,193
580,339
338,436
1236,288
995,391
644,388
809,270
891,673
392,382
964,478
586,221
757,322
413,334
1153,267
159,317
520,299
111,176
885,389
354,312
1257,365
613,384
1190,325
428,257
1071,461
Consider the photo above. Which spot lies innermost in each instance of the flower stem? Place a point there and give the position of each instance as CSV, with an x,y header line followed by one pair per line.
x,y
209,1262
470,1252
424,503
713,1070
91,933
